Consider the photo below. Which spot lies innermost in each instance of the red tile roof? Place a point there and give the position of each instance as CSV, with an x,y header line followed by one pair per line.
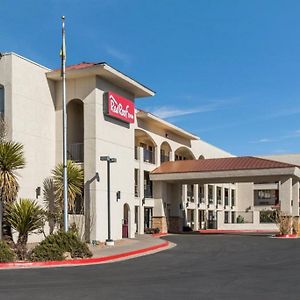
x,y
219,164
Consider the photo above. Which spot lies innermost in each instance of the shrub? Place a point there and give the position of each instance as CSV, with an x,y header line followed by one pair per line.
x,y
240,219
54,247
152,230
268,216
25,216
6,254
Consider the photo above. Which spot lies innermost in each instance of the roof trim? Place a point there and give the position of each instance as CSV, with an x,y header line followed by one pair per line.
x,y
25,58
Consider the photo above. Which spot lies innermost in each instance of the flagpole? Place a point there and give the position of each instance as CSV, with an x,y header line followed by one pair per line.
x,y
63,75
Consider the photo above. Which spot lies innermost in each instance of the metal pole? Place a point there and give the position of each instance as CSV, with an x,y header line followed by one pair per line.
x,y
108,199
63,74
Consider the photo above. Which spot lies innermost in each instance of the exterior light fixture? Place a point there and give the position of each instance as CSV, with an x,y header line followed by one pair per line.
x,y
109,160
37,192
118,195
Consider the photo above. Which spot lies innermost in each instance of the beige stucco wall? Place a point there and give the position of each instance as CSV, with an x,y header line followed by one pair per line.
x,y
33,122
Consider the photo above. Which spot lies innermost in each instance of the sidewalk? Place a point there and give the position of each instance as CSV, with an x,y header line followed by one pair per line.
x,y
126,245
123,249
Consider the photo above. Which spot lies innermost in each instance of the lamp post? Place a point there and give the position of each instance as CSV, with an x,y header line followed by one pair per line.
x,y
109,160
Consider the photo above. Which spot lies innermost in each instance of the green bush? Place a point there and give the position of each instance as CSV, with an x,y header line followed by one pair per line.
x,y
6,254
54,246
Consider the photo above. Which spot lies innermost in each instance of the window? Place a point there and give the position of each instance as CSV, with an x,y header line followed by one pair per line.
x,y
232,217
232,197
266,197
219,195
1,101
201,194
226,197
210,194
136,180
190,192
226,217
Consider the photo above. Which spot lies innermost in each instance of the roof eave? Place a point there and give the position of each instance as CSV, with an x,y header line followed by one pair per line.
x,y
108,73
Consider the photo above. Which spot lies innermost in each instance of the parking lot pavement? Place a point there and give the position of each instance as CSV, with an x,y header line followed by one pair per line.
x,y
199,267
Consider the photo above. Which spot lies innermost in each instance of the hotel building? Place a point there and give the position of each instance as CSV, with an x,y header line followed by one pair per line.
x,y
103,121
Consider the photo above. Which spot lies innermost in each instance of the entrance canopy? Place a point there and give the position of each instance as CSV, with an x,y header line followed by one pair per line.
x,y
225,170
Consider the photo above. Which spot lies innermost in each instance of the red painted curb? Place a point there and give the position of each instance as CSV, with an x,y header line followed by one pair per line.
x,y
83,261
286,236
211,231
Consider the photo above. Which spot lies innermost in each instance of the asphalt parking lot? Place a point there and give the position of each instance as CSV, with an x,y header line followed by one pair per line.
x,y
199,267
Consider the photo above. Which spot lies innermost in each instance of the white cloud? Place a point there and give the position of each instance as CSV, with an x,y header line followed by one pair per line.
x,y
292,135
166,112
261,141
120,55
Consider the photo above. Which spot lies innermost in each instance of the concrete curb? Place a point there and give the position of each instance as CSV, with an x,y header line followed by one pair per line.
x,y
85,261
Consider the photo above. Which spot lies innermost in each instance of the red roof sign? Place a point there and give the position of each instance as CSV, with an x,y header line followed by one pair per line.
x,y
119,107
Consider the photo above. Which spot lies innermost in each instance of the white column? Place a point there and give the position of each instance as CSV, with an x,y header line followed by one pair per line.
x,y
205,190
172,156
141,190
196,214
295,208
215,195
157,155
285,196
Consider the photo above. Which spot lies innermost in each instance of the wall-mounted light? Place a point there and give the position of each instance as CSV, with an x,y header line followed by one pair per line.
x,y
143,201
187,204
166,135
37,192
118,195
198,205
180,206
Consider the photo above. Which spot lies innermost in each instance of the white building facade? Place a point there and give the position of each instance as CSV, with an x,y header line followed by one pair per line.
x,y
31,102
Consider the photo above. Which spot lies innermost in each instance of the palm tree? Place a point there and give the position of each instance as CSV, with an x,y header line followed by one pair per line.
x,y
75,184
11,160
24,216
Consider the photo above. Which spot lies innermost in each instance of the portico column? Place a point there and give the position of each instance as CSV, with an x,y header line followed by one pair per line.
x,y
196,214
285,196
295,208
215,195
141,191
171,156
157,155
205,190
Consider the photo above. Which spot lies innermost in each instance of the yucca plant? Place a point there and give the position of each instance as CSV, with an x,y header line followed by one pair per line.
x,y
75,183
11,160
24,216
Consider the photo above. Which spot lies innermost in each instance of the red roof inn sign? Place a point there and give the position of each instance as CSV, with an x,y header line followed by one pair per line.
x,y
118,107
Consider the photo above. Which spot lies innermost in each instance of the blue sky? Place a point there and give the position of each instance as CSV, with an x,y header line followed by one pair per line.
x,y
228,71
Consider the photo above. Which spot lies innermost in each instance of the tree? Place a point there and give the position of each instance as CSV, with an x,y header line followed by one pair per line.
x,y
75,187
24,216
11,160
